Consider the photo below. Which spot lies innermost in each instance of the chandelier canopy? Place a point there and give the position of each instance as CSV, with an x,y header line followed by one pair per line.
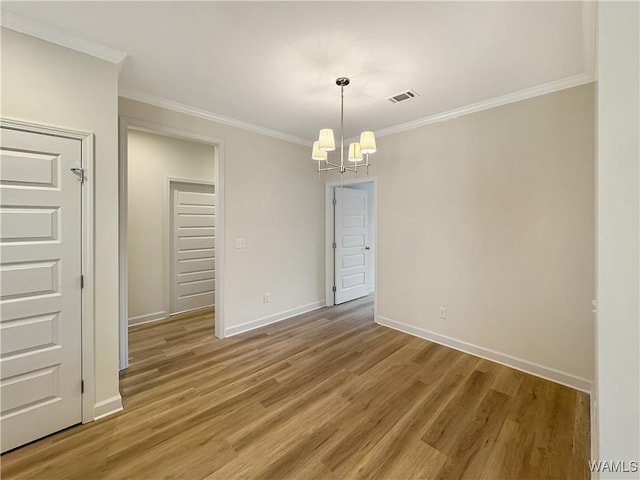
x,y
358,153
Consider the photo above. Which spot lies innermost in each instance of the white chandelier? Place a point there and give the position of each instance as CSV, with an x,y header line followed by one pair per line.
x,y
326,143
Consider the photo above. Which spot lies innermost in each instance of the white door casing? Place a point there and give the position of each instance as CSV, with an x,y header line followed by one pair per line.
x,y
192,246
351,247
41,267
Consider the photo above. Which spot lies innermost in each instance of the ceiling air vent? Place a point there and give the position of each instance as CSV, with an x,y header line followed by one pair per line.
x,y
401,97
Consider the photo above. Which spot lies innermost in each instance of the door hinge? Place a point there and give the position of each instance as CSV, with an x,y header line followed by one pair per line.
x,y
334,288
81,281
81,386
334,245
335,202
79,172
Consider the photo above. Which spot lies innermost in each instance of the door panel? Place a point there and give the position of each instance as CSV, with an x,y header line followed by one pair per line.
x,y
21,224
30,333
197,276
40,268
194,220
191,266
28,279
353,260
205,253
351,223
192,246
195,286
195,243
198,231
29,168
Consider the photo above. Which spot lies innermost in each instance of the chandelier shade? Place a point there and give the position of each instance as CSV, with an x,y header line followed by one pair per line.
x,y
326,142
318,154
355,154
367,142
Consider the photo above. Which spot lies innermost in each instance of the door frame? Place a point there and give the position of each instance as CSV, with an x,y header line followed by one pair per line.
x,y
329,236
87,232
126,123
168,233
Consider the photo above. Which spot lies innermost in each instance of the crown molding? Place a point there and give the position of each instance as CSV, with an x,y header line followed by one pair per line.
x,y
52,35
206,115
544,89
539,90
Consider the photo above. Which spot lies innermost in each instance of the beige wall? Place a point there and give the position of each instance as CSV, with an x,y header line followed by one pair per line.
x,y
491,215
48,84
616,427
275,202
151,159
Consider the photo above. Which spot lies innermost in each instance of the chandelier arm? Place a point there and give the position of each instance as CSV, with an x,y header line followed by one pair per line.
x,y
328,169
355,167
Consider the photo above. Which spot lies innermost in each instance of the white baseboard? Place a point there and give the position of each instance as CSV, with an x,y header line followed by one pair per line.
x,y
594,432
107,407
149,317
276,317
526,366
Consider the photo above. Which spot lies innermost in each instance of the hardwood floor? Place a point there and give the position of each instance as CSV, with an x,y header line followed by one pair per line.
x,y
327,395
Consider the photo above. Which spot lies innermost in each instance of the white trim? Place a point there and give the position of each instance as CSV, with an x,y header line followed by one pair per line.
x,y
19,24
108,407
594,432
276,317
167,233
526,366
595,391
328,230
88,292
149,317
123,222
156,129
539,90
207,115
88,313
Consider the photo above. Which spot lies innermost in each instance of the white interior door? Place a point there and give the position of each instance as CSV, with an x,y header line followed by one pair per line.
x,y
40,269
192,246
351,259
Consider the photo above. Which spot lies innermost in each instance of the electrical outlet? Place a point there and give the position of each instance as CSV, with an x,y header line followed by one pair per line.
x,y
443,313
266,298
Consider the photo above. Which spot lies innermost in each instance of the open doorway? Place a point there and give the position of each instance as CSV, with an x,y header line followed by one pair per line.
x,y
171,209
351,240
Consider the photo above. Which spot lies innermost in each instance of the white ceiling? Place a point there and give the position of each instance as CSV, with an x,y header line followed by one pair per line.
x,y
274,64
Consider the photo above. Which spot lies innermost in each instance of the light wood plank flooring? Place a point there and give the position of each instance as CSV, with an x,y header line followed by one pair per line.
x,y
327,395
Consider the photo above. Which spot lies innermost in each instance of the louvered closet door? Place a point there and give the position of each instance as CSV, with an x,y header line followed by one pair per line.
x,y
40,327
193,246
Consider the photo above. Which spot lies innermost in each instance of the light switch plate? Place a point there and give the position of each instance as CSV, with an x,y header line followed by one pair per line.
x,y
240,243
